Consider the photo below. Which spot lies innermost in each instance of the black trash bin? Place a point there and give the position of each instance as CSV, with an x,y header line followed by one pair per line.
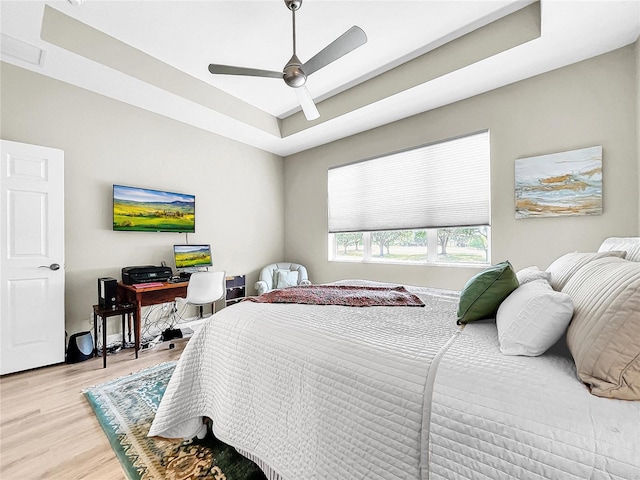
x,y
80,347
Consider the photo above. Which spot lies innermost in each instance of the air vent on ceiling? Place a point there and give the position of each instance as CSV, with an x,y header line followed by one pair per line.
x,y
21,50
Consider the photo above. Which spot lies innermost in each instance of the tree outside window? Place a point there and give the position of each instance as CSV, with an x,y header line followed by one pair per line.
x,y
467,245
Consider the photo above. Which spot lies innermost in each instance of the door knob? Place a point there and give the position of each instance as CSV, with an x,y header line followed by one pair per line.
x,y
53,266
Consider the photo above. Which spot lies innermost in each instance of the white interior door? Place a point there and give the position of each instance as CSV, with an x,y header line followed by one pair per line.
x,y
32,256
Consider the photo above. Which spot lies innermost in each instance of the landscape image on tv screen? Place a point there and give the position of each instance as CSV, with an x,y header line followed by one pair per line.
x,y
144,210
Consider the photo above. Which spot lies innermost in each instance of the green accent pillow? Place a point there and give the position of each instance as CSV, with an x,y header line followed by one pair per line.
x,y
485,291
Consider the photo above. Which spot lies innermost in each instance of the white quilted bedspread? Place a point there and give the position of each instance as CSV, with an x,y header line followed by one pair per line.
x,y
354,393
317,392
502,417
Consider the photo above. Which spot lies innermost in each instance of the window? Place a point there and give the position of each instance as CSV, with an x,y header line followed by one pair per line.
x,y
468,245
430,204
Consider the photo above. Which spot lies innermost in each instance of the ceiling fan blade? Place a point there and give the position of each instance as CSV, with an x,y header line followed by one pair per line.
x,y
306,102
348,41
253,72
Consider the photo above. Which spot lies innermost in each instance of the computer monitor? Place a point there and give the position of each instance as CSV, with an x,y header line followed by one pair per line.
x,y
191,258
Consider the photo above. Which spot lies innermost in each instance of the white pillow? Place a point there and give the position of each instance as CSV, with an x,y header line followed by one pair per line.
x,y
565,266
629,244
286,278
530,274
532,318
276,275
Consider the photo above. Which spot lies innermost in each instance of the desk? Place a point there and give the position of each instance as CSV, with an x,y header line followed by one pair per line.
x,y
143,296
105,313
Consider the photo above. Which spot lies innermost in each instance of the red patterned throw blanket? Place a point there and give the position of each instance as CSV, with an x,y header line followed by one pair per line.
x,y
347,295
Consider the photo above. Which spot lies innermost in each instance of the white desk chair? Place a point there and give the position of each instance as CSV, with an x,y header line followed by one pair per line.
x,y
205,288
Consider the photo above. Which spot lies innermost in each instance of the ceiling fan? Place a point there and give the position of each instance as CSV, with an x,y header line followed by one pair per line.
x,y
295,73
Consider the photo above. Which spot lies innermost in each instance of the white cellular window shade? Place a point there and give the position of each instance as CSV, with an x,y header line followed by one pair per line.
x,y
445,184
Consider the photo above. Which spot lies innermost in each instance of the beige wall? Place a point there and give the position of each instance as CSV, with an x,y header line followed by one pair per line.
x,y
582,105
241,193
239,189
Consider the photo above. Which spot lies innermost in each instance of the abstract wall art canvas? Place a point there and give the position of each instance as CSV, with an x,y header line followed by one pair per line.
x,y
559,184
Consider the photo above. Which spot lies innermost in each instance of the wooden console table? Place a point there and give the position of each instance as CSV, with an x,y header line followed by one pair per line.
x,y
143,296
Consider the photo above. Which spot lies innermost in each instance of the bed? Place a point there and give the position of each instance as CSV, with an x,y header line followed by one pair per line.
x,y
404,392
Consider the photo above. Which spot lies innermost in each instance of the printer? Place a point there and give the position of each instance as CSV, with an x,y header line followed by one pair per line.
x,y
145,274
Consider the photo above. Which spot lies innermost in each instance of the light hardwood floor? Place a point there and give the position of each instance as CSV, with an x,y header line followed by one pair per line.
x,y
47,428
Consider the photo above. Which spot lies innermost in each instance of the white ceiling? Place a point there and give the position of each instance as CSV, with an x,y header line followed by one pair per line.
x,y
189,35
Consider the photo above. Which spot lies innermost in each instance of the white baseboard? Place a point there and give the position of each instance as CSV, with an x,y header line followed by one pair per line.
x,y
116,338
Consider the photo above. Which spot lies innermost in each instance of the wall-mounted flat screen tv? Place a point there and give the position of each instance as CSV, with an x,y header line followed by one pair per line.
x,y
143,210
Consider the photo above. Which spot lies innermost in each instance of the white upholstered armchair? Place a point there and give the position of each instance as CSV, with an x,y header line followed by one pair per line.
x,y
281,275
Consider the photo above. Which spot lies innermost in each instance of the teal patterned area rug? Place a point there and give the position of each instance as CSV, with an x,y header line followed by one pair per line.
x,y
125,408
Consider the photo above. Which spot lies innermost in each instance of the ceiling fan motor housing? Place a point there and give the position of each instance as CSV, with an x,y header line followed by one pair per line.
x,y
293,74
